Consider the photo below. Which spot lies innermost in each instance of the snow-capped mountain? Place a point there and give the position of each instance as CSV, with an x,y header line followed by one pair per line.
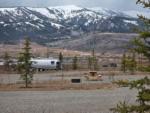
x,y
52,23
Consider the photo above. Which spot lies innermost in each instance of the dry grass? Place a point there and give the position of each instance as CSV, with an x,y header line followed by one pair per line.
x,y
57,85
38,50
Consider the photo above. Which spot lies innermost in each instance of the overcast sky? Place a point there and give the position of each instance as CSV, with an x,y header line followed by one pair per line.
x,y
122,5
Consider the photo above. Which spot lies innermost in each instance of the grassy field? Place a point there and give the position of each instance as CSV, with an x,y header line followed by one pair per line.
x,y
58,80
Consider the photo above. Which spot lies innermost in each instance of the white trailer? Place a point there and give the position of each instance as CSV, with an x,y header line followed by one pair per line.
x,y
45,63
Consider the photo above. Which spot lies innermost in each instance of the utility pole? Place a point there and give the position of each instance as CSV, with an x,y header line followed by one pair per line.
x,y
93,54
47,52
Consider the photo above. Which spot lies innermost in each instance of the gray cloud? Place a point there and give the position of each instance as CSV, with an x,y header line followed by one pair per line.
x,y
110,4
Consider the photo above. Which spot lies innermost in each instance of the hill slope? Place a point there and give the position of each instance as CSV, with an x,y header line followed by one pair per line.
x,y
101,42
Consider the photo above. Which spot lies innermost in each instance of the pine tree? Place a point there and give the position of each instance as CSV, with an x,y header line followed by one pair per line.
x,y
75,63
133,63
95,63
60,60
129,63
123,63
89,62
143,98
142,43
24,63
142,46
7,61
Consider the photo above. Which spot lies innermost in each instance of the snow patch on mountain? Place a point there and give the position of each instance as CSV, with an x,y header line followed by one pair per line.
x,y
36,26
2,22
6,25
44,11
131,22
56,25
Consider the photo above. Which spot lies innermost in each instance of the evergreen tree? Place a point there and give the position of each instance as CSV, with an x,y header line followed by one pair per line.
x,y
89,62
24,63
123,63
133,63
95,63
142,43
60,60
143,98
129,63
142,46
7,61
75,63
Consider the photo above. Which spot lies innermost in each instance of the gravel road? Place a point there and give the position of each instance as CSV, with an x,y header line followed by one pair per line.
x,y
93,101
78,101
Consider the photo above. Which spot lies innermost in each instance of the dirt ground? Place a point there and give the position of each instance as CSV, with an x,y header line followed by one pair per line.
x,y
56,80
56,86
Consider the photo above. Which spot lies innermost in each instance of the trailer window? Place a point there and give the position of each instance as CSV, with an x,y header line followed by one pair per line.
x,y
52,62
57,63
34,62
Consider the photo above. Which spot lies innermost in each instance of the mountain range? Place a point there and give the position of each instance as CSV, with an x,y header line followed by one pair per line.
x,y
62,22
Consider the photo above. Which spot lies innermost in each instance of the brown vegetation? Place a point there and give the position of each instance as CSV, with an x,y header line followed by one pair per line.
x,y
56,85
38,50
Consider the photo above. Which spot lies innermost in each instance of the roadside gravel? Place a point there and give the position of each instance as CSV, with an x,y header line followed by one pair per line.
x,y
79,101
